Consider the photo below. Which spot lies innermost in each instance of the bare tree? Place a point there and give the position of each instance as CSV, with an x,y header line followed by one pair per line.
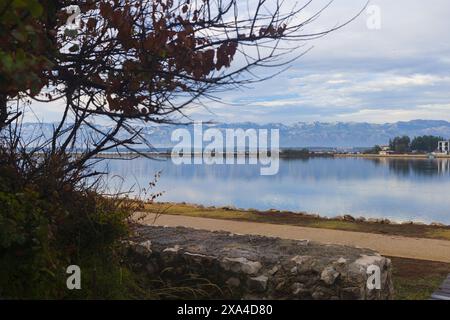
x,y
147,60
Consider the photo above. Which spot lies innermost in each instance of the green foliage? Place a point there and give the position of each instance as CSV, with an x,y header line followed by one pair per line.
x,y
375,150
25,255
25,45
425,143
44,228
400,144
296,153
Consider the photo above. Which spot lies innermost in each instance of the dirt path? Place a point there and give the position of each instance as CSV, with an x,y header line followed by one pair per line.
x,y
397,246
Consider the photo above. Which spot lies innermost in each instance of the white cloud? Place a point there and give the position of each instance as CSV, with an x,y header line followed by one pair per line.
x,y
399,72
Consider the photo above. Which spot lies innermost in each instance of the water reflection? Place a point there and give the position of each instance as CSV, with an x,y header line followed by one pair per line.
x,y
383,188
421,167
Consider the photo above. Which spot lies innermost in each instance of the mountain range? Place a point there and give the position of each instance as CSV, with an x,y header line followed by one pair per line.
x,y
297,135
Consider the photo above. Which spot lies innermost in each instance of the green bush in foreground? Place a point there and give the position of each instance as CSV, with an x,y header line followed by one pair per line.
x,y
51,218
48,221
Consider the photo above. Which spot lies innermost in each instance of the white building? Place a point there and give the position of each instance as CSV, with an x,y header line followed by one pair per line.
x,y
385,150
444,147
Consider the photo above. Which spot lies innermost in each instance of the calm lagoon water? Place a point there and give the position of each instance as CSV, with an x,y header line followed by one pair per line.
x,y
396,189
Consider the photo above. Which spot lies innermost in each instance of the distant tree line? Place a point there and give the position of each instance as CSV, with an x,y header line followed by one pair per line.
x,y
404,144
292,153
400,144
375,150
426,143
296,153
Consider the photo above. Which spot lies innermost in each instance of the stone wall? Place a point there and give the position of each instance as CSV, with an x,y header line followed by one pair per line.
x,y
253,267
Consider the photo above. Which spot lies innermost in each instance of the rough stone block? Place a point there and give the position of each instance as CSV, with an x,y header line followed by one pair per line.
x,y
264,267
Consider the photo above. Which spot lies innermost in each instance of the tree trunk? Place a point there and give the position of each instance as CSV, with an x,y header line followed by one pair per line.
x,y
3,110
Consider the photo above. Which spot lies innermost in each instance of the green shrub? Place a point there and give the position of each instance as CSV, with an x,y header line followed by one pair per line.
x,y
51,218
48,221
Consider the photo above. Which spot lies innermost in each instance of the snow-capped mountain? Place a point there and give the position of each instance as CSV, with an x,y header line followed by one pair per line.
x,y
317,134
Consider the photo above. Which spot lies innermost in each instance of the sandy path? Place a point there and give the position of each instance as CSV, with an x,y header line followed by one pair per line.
x,y
397,246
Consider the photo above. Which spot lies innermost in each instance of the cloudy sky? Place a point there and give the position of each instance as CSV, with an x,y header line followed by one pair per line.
x,y
398,72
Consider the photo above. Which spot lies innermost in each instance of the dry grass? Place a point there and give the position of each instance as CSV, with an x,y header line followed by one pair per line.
x,y
417,279
301,219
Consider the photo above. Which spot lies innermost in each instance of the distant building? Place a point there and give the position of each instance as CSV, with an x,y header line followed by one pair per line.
x,y
444,147
385,150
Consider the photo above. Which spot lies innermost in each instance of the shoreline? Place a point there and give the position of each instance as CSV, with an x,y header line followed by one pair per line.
x,y
385,244
346,217
131,155
344,223
393,156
